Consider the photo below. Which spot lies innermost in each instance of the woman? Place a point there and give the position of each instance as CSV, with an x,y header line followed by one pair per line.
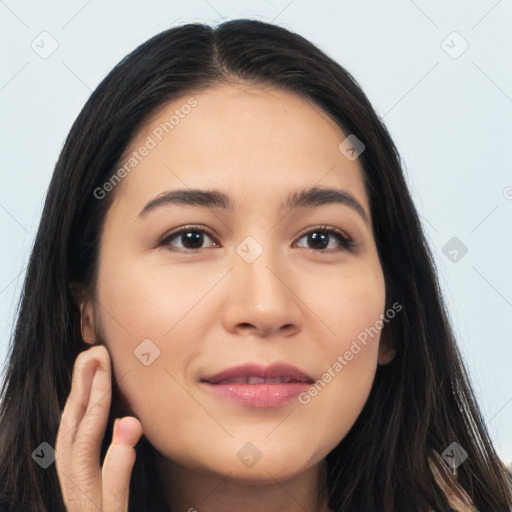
x,y
302,360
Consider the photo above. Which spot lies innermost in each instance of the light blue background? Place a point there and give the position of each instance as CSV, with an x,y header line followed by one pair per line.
x,y
450,118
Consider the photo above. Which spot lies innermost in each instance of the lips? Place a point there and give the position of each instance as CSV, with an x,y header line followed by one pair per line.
x,y
257,386
277,373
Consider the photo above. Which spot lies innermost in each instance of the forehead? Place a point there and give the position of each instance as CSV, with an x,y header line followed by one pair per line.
x,y
250,141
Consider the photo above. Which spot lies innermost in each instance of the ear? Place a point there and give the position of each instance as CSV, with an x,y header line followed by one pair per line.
x,y
87,322
387,350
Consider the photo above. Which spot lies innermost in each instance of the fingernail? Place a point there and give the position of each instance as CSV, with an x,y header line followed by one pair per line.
x,y
120,434
115,434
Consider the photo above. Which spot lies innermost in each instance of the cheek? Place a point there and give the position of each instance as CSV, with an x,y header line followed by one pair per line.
x,y
151,315
348,303
351,309
333,403
151,301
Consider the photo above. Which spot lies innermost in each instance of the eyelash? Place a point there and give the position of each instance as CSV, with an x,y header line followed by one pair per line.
x,y
346,242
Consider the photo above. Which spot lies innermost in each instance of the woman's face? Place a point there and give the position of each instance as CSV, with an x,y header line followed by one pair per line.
x,y
258,282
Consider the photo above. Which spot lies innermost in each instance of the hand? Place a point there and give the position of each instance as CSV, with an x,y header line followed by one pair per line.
x,y
85,486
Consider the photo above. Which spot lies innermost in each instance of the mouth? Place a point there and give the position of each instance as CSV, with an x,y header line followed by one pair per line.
x,y
257,386
253,379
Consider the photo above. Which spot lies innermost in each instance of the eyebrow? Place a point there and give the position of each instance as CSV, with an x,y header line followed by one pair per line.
x,y
306,198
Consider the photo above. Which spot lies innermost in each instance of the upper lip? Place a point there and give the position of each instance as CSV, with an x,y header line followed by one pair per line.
x,y
282,372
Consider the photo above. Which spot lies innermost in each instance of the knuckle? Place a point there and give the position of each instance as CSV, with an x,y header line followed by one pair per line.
x,y
83,359
98,353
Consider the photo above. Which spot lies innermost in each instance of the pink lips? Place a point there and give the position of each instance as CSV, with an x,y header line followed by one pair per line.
x,y
258,386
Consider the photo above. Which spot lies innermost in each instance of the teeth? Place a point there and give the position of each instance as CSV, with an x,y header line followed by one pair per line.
x,y
241,380
276,380
258,380
255,380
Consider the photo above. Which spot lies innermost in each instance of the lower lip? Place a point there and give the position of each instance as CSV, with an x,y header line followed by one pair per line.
x,y
259,395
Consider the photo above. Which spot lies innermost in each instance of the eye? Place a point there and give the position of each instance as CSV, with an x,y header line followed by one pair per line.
x,y
192,238
320,238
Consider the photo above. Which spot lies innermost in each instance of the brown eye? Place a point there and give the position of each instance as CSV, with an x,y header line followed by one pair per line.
x,y
322,238
189,239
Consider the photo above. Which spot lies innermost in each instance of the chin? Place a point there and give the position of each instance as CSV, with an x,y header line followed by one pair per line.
x,y
261,474
270,467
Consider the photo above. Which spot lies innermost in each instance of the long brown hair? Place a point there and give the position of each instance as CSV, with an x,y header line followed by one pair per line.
x,y
421,401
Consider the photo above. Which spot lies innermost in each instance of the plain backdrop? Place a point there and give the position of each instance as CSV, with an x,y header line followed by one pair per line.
x,y
439,73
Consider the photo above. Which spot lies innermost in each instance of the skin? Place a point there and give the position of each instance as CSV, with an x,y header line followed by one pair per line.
x,y
208,309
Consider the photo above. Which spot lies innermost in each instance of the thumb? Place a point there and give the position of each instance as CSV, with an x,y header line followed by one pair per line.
x,y
118,464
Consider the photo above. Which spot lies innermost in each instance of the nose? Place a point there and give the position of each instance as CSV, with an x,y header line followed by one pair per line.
x,y
260,298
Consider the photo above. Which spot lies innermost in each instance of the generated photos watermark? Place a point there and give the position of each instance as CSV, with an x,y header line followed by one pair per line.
x,y
343,360
157,135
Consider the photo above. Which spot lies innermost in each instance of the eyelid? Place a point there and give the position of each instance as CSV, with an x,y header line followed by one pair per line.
x,y
325,227
189,227
347,244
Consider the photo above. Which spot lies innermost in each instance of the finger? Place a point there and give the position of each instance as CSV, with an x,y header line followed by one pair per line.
x,y
118,464
78,449
91,429
78,399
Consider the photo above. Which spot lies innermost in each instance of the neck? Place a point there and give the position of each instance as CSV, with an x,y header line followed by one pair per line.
x,y
192,490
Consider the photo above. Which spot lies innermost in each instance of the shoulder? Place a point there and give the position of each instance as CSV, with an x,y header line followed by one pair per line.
x,y
456,495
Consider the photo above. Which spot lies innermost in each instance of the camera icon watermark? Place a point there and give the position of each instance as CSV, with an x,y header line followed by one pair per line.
x,y
249,249
249,455
146,352
44,455
351,147
454,455
45,45
454,45
454,249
